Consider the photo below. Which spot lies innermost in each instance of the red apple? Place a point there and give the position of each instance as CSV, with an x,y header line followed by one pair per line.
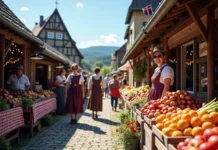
x,y
183,101
215,129
180,145
205,146
213,140
208,133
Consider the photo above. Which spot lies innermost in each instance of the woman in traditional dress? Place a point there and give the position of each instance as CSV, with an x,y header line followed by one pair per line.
x,y
75,94
163,76
96,88
60,92
114,86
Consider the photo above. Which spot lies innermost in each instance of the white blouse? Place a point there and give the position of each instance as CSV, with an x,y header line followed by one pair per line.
x,y
167,72
61,79
81,80
96,77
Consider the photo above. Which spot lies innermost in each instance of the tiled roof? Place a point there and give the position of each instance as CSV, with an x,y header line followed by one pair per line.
x,y
137,5
37,27
10,20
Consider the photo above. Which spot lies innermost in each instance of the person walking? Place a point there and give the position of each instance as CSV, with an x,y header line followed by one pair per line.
x,y
163,76
96,88
114,86
60,92
75,94
106,90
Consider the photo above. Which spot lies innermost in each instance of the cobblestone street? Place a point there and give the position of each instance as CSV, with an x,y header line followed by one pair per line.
x,y
88,134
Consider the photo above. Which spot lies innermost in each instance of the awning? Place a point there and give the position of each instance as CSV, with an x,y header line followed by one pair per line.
x,y
125,67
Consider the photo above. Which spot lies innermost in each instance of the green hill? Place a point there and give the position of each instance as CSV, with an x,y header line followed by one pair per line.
x,y
96,53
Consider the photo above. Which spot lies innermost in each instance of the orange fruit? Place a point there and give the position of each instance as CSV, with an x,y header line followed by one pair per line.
x,y
156,114
160,126
167,131
173,126
163,115
202,112
175,120
182,124
187,132
159,119
168,115
176,133
193,113
196,121
207,125
179,112
197,131
186,110
214,117
164,120
206,118
173,115
167,123
186,117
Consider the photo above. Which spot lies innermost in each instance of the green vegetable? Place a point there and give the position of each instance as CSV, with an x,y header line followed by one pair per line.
x,y
210,107
3,105
27,102
4,144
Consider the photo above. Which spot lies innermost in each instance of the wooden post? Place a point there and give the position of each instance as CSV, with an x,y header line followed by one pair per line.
x,y
195,67
2,60
178,67
166,49
149,68
211,53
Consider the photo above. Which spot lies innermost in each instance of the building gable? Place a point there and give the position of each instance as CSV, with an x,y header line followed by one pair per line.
x,y
53,31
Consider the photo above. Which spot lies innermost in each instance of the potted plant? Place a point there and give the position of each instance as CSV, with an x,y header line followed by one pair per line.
x,y
4,144
129,135
123,116
139,71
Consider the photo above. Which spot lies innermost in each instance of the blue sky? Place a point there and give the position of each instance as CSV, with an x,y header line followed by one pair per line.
x,y
90,22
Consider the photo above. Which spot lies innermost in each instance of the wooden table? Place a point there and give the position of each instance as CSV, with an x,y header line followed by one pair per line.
x,y
38,111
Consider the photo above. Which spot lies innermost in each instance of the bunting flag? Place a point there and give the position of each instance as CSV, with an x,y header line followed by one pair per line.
x,y
147,10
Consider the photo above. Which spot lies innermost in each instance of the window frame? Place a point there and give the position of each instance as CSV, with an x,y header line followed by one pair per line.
x,y
59,33
50,33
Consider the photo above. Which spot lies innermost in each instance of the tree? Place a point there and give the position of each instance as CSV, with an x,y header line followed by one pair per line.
x,y
98,64
105,70
87,64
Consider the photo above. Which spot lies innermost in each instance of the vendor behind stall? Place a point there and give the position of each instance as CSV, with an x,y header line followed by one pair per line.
x,y
18,81
163,76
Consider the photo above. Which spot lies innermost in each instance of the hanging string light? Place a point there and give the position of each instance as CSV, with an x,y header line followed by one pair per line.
x,y
11,61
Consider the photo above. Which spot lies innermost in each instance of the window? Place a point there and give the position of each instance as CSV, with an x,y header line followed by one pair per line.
x,y
59,36
50,35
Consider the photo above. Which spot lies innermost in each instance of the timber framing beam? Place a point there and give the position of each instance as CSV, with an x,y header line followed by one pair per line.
x,y
8,46
197,20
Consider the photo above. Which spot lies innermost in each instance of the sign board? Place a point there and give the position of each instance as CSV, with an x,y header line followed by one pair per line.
x,y
202,49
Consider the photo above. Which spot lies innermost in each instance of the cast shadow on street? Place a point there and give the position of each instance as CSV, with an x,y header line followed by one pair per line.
x,y
88,127
106,121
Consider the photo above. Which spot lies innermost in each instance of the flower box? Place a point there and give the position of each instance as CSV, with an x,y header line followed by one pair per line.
x,y
133,144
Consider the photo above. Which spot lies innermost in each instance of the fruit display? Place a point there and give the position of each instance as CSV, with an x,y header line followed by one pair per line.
x,y
172,102
31,94
45,93
208,140
186,122
17,93
4,94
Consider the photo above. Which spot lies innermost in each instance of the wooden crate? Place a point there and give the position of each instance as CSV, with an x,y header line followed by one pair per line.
x,y
139,112
142,138
166,140
171,147
150,122
149,137
134,114
159,145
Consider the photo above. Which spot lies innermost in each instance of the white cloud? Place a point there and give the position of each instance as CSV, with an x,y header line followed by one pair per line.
x,y
109,39
90,43
24,8
79,5
23,20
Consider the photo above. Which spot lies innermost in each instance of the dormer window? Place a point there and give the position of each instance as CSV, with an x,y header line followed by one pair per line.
x,y
50,35
59,36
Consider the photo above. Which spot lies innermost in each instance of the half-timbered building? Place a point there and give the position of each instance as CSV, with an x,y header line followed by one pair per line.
x,y
53,31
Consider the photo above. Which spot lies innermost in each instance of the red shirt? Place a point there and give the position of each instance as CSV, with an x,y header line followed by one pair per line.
x,y
114,88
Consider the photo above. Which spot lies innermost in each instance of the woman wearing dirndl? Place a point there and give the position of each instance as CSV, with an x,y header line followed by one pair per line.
x,y
60,92
96,88
163,76
75,94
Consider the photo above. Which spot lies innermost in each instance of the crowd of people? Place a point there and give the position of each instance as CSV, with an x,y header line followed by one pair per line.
x,y
77,87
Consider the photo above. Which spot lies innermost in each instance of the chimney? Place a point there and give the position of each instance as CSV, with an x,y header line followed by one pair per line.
x,y
41,21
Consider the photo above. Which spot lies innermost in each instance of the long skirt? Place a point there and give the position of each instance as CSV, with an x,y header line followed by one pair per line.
x,y
61,100
154,94
74,100
95,100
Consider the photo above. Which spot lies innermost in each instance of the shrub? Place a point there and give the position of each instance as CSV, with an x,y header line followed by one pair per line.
x,y
27,103
4,144
47,120
3,105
